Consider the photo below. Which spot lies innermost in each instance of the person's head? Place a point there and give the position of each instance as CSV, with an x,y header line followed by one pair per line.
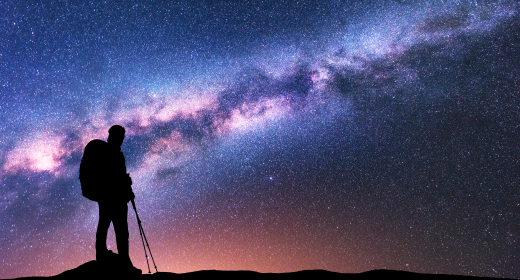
x,y
116,135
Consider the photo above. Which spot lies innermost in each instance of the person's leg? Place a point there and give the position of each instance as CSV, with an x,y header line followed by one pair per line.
x,y
102,229
120,222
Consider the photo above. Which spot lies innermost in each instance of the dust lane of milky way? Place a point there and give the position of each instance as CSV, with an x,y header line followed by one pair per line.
x,y
267,136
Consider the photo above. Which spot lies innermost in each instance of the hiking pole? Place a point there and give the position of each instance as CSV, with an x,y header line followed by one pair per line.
x,y
141,234
143,239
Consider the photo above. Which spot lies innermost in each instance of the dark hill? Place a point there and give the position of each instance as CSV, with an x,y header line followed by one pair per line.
x,y
92,270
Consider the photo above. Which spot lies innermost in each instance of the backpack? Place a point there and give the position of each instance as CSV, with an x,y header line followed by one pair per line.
x,y
93,168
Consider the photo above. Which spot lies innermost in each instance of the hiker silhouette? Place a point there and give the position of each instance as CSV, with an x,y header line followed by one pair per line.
x,y
112,191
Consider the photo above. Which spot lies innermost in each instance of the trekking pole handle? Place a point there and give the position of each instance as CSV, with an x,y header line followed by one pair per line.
x,y
135,210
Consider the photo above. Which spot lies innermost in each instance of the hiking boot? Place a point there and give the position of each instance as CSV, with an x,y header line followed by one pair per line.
x,y
129,268
105,256
133,271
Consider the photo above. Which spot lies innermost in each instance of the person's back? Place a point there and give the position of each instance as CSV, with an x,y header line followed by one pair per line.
x,y
117,180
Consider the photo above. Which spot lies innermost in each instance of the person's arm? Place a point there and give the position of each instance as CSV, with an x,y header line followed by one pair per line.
x,y
130,191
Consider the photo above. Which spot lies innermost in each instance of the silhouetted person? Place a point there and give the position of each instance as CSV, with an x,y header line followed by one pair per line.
x,y
116,193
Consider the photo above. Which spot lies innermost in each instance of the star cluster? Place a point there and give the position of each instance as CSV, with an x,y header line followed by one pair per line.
x,y
272,136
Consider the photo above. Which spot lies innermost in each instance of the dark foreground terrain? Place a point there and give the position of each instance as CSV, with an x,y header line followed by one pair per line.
x,y
93,270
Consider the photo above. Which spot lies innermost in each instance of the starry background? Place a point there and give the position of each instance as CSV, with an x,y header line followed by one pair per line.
x,y
273,136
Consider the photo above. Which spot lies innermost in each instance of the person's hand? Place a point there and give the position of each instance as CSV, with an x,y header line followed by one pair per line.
x,y
130,196
128,179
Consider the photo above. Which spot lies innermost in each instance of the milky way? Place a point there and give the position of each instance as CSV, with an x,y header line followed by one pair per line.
x,y
267,136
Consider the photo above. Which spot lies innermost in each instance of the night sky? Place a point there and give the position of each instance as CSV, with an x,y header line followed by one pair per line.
x,y
273,136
